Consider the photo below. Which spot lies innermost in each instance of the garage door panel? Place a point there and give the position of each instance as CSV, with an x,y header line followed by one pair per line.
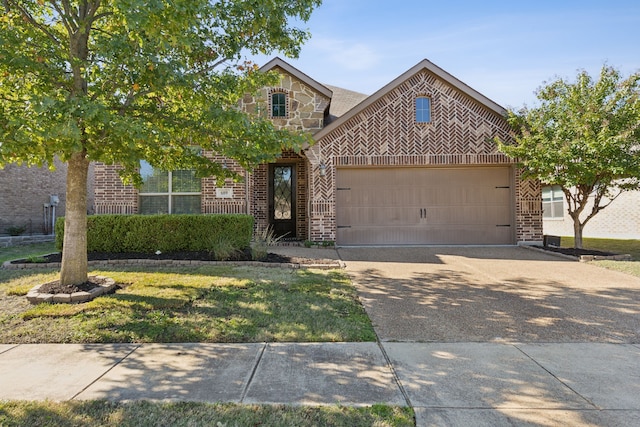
x,y
455,235
425,206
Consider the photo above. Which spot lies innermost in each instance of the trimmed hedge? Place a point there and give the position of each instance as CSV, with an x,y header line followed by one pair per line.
x,y
165,233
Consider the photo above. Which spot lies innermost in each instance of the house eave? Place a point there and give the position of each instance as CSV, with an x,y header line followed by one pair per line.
x,y
279,63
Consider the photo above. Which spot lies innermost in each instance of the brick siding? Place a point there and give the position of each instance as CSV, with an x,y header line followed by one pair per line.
x,y
25,190
306,113
386,134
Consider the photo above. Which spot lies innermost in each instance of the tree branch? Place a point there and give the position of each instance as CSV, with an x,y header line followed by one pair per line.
x,y
25,14
65,16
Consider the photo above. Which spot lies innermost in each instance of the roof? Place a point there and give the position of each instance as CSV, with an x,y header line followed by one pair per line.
x,y
343,100
279,63
422,65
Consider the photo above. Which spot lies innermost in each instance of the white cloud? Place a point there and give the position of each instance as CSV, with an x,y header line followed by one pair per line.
x,y
346,54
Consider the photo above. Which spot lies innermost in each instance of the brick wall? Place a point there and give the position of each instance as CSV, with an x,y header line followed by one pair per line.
x,y
260,200
385,134
110,195
25,190
305,113
528,210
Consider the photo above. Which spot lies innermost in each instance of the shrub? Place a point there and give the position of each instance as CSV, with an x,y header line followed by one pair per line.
x,y
263,238
165,233
16,230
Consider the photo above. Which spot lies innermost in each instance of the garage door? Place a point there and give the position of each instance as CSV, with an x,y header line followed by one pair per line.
x,y
424,206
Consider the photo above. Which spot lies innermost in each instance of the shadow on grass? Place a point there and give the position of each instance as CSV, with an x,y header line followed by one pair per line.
x,y
201,305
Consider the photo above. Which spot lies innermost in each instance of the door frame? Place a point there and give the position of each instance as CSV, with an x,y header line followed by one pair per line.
x,y
286,228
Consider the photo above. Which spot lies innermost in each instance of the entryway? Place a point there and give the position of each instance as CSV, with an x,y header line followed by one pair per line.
x,y
282,199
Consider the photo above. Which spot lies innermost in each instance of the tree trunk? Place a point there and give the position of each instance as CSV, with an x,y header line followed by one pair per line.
x,y
577,233
74,252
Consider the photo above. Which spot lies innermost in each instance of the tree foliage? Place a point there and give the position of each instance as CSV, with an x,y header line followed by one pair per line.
x,y
118,81
585,137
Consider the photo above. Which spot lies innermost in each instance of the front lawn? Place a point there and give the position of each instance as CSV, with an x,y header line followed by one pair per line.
x,y
190,304
23,251
101,413
619,246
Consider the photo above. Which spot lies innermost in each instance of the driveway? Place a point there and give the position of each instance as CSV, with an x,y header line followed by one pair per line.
x,y
492,294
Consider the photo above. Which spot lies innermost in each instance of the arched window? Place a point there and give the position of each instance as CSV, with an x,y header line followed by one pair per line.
x,y
423,109
278,104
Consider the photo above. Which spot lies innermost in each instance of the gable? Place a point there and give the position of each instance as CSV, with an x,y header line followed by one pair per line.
x,y
306,101
463,122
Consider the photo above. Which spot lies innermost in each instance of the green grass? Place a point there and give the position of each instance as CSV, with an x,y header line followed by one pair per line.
x,y
619,246
24,251
199,304
138,414
628,267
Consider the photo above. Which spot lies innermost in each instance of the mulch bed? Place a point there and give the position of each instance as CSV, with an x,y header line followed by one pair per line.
x,y
56,288
575,252
186,255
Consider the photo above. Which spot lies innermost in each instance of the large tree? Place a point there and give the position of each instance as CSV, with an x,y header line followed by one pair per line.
x,y
584,136
118,81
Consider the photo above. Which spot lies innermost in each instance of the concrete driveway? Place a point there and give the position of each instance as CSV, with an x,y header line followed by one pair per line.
x,y
492,294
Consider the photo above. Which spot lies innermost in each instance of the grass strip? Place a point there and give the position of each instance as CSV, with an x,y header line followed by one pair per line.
x,y
142,413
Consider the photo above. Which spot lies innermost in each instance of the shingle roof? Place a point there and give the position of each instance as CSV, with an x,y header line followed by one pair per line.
x,y
342,101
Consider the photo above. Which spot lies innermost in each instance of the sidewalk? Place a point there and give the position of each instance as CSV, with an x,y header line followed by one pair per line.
x,y
447,383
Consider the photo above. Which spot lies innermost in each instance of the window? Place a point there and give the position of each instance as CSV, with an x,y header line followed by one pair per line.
x,y
162,192
552,202
279,104
423,109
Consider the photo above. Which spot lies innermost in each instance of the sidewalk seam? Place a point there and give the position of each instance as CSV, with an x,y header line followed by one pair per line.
x,y
393,372
253,373
557,379
106,372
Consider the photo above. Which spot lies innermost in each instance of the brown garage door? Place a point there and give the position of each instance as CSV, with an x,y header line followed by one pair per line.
x,y
424,206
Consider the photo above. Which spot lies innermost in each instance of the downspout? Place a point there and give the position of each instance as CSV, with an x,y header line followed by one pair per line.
x,y
246,192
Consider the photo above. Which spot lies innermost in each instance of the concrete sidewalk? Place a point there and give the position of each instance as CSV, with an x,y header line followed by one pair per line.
x,y
491,384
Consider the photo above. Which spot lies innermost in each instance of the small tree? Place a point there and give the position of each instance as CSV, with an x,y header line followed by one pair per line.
x,y
585,137
118,81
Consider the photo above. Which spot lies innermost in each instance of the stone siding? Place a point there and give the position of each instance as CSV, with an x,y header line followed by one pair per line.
x,y
305,110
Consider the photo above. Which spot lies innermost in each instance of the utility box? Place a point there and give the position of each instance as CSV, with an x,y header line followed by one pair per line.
x,y
551,241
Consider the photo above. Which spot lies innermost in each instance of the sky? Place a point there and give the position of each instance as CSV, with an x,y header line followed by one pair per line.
x,y
503,49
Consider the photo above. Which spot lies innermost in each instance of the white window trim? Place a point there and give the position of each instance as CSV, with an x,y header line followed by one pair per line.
x,y
557,216
170,193
415,109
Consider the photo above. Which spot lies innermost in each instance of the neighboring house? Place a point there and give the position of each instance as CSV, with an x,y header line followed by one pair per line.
x,y
414,163
619,220
27,193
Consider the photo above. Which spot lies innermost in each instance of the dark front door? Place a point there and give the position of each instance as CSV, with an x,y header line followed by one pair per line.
x,y
282,199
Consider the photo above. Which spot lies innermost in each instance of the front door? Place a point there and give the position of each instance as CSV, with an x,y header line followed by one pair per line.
x,y
282,199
